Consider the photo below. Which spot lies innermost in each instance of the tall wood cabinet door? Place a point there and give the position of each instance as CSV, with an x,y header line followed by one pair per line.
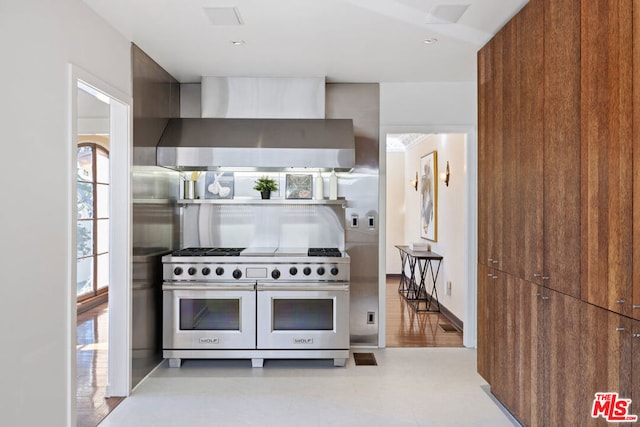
x,y
635,368
561,171
565,398
531,355
503,374
606,148
485,323
495,150
484,151
636,164
529,176
606,358
506,182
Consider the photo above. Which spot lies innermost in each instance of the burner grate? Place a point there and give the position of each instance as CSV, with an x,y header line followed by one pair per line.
x,y
208,252
327,252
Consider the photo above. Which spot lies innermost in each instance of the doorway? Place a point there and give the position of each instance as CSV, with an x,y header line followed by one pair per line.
x,y
455,241
101,119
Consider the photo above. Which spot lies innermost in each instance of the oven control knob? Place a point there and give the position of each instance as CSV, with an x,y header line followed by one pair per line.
x,y
219,271
237,273
177,271
206,271
275,274
293,271
320,271
334,271
192,271
306,271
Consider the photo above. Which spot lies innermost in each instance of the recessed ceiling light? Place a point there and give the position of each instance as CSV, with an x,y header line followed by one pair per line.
x,y
432,40
237,42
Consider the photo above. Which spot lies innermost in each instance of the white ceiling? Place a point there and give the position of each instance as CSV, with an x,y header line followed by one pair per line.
x,y
342,40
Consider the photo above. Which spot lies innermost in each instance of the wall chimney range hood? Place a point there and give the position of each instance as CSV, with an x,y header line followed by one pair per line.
x,y
251,144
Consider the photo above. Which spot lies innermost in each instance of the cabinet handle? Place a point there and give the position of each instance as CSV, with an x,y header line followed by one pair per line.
x,y
495,277
536,275
490,260
545,298
620,329
636,306
636,335
536,294
545,277
620,301
495,261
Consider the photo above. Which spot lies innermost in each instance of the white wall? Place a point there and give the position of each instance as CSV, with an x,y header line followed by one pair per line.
x,y
38,40
395,213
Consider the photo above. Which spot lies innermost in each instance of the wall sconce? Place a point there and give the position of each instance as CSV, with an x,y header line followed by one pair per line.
x,y
414,182
444,176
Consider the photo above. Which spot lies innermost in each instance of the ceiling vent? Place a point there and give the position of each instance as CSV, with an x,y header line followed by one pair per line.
x,y
224,15
446,13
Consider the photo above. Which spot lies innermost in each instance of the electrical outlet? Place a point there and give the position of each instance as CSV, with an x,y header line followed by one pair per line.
x,y
447,290
371,317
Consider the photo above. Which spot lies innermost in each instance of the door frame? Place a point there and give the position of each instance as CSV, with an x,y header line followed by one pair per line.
x,y
469,338
119,360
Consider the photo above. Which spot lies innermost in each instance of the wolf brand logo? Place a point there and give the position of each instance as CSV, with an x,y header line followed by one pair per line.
x,y
209,341
612,408
303,340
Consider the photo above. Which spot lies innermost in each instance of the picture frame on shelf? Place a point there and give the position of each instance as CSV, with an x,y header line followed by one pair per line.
x,y
298,186
429,197
219,185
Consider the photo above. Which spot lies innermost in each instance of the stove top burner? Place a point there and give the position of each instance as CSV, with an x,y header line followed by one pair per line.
x,y
327,252
208,252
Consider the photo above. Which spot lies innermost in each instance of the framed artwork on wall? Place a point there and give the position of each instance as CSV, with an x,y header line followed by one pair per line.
x,y
429,197
219,185
298,186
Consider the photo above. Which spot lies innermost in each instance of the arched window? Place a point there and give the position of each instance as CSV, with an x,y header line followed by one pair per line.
x,y
93,220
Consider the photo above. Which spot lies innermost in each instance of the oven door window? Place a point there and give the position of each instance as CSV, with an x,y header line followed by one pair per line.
x,y
303,314
209,314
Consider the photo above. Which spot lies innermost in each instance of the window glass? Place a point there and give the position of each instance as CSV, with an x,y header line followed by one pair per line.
x,y
85,163
103,271
102,166
84,238
85,200
85,276
103,236
103,201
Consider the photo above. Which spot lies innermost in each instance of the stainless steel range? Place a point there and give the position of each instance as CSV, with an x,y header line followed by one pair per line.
x,y
256,303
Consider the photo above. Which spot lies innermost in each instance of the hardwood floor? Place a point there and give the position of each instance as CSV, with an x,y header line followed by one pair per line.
x,y
406,328
91,361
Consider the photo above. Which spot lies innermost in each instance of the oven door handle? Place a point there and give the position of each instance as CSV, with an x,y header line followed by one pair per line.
x,y
169,286
303,288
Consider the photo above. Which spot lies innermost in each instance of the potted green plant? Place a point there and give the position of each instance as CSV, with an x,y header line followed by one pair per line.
x,y
265,186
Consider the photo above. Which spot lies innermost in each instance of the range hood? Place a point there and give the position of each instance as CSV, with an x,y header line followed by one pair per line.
x,y
249,144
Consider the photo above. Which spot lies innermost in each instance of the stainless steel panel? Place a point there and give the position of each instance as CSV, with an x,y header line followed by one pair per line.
x,y
173,338
263,97
264,144
336,338
361,102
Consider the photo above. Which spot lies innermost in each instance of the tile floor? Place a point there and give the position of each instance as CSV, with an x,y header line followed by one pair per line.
x,y
408,387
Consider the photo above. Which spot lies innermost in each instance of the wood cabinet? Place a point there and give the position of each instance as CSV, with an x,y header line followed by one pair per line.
x,y
607,166
606,355
559,274
560,269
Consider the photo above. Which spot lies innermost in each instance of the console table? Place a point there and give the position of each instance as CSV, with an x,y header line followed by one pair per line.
x,y
414,288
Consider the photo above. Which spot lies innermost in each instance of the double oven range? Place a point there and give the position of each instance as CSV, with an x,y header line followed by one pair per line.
x,y
256,303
